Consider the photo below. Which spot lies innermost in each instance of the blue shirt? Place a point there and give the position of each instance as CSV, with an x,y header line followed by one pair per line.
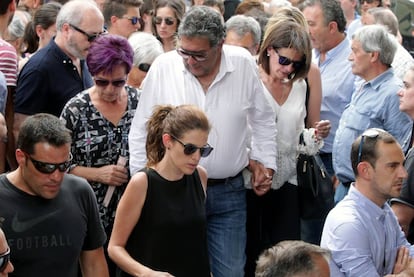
x,y
337,86
48,80
363,238
374,105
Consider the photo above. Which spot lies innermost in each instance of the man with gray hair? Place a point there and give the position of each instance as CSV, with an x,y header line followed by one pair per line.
x,y
375,103
383,16
58,71
292,258
243,31
224,82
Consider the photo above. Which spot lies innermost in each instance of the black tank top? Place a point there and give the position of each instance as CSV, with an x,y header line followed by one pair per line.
x,y
171,232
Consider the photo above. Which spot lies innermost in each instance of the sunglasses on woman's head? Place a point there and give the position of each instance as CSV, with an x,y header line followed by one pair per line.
x,y
105,83
286,61
168,20
4,260
48,168
190,148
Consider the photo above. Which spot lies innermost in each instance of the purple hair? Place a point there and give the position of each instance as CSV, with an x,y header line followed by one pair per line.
x,y
108,51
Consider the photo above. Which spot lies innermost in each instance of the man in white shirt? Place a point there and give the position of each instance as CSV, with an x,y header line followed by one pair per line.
x,y
224,82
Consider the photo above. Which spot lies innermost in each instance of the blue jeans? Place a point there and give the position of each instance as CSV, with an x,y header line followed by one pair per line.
x,y
226,228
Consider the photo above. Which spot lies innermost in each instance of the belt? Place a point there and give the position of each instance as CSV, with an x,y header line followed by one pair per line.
x,y
213,182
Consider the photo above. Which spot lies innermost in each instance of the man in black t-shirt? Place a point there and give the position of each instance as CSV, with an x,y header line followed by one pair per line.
x,y
50,218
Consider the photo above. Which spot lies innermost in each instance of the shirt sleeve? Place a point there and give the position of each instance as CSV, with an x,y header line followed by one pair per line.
x,y
263,128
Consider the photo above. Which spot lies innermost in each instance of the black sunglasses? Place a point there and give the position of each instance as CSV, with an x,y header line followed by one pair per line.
x,y
134,19
368,1
105,83
48,168
4,260
186,55
286,61
370,133
190,148
168,20
91,37
144,67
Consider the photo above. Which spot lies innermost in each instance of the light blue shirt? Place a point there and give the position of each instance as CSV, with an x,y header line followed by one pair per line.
x,y
337,86
374,105
362,237
353,27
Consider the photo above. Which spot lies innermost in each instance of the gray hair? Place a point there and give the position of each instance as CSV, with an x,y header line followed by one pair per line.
x,y
74,11
146,47
288,258
375,38
242,25
16,28
386,18
332,12
202,21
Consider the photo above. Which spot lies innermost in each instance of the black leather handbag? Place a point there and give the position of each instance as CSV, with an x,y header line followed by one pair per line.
x,y
314,186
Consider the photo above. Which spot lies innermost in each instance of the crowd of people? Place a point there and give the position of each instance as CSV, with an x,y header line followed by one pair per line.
x,y
160,138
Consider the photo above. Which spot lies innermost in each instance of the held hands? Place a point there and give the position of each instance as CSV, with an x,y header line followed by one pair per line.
x,y
261,177
112,175
323,128
152,273
404,264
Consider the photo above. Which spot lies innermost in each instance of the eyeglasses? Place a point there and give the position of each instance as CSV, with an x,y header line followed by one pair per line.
x,y
196,56
368,1
286,61
4,260
48,168
91,37
370,133
144,67
134,19
168,20
105,83
190,148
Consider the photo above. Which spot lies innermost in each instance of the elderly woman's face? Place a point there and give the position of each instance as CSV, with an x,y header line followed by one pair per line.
x,y
406,94
109,86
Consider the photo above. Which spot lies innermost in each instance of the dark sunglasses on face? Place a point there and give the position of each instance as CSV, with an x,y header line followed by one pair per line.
x,y
186,55
48,168
91,37
168,20
105,83
144,67
368,1
134,19
286,61
190,148
4,260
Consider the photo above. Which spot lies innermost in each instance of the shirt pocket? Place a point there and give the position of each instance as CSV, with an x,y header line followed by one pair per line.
x,y
359,120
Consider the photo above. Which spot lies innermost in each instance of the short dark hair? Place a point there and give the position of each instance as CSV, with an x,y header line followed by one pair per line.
x,y
369,151
42,127
4,5
108,51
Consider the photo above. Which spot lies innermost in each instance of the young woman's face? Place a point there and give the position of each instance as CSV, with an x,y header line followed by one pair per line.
x,y
166,23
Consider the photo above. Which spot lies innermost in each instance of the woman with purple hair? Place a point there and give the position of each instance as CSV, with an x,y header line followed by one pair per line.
x,y
100,118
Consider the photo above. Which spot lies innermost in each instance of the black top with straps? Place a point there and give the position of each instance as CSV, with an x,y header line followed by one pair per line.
x,y
171,232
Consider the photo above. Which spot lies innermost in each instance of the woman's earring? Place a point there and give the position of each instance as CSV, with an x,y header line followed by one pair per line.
x,y
268,55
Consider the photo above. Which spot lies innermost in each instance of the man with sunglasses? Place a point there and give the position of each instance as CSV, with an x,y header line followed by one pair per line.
x,y
51,218
374,104
362,232
223,81
58,71
122,17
